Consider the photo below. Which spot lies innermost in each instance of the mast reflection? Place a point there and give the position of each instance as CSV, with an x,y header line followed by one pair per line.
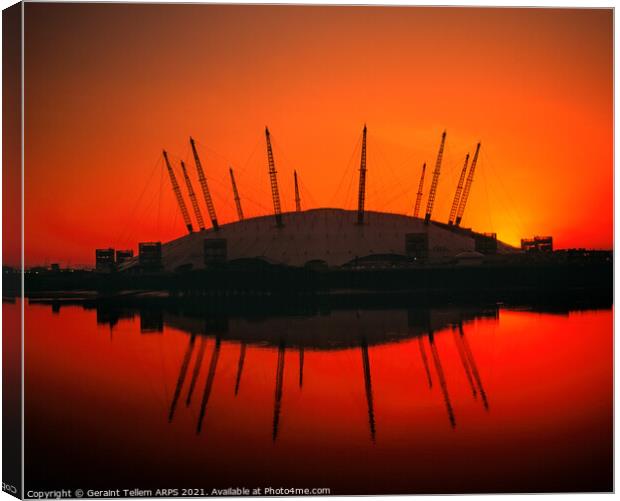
x,y
301,366
240,367
339,330
474,367
368,388
465,363
197,366
278,394
209,384
442,379
182,374
425,362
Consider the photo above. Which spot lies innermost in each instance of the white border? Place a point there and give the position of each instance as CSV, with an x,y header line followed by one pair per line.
x,y
448,3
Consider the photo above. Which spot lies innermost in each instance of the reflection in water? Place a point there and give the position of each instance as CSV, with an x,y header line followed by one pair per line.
x,y
379,384
107,315
425,362
421,323
464,350
278,396
240,367
368,386
464,361
151,321
209,385
377,395
472,364
322,332
442,379
197,366
182,373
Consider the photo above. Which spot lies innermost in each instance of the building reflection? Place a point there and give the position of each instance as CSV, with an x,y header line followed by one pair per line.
x,y
111,315
323,331
151,321
421,324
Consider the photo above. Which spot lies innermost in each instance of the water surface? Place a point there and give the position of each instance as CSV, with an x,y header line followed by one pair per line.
x,y
440,400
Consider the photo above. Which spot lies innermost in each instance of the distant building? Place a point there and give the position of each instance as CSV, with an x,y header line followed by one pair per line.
x,y
486,243
55,267
37,270
537,244
215,250
416,245
149,255
123,255
104,259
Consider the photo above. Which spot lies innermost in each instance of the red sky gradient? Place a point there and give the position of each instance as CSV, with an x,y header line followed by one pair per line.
x,y
108,86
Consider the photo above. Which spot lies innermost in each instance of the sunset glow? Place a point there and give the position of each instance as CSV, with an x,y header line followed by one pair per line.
x,y
107,87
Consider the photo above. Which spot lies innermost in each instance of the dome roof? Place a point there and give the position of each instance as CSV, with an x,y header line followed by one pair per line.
x,y
328,235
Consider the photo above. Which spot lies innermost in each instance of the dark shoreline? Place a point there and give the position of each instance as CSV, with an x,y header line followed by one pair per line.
x,y
500,282
549,301
302,320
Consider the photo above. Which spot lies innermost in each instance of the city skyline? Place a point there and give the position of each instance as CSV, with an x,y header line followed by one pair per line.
x,y
107,87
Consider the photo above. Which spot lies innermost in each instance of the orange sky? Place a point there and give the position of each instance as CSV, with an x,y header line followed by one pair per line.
x,y
108,86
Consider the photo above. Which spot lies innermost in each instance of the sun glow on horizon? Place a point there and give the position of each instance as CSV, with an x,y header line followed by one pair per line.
x,y
535,86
